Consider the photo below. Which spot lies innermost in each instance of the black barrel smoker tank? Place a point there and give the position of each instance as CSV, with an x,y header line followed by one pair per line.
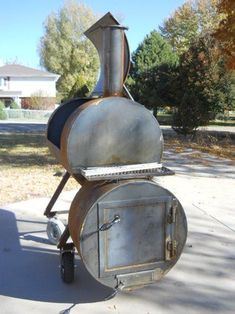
x,y
128,230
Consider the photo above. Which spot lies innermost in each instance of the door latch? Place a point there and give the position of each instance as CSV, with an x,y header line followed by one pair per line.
x,y
108,225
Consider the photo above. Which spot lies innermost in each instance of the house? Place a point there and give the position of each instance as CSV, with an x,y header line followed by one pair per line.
x,y
19,83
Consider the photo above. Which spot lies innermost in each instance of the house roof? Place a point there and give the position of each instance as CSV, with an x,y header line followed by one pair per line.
x,y
17,70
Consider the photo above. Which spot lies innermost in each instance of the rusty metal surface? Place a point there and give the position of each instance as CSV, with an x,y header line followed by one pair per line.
x,y
55,151
110,131
113,61
81,204
139,242
56,194
113,49
64,238
56,124
58,118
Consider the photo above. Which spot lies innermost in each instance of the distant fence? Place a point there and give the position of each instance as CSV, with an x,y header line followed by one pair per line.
x,y
27,114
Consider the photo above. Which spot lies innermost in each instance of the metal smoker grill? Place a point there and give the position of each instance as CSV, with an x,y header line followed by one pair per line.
x,y
128,230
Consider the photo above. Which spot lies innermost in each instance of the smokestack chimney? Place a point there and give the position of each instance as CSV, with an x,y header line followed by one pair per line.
x,y
109,38
113,60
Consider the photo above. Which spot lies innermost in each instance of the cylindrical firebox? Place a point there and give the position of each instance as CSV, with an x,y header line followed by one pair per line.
x,y
128,233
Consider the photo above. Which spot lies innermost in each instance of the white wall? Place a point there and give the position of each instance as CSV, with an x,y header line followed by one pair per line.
x,y
31,85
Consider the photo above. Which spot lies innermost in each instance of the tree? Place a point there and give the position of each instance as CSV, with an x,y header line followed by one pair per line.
x,y
153,51
64,49
3,115
192,20
150,73
180,29
203,86
225,33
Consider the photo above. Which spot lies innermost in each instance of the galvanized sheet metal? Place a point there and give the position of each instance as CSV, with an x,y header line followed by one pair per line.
x,y
111,131
120,52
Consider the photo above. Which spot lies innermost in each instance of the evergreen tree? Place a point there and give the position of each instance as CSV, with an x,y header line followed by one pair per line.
x,y
153,62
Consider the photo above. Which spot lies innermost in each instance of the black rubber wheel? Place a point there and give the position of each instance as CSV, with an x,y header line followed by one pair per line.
x,y
67,267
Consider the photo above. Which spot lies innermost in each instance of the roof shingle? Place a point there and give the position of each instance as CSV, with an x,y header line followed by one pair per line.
x,y
17,70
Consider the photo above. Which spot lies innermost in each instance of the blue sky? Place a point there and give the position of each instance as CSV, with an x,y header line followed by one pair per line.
x,y
21,23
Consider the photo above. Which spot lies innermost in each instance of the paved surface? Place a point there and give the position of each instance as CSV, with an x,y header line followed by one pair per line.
x,y
210,128
22,127
37,127
203,280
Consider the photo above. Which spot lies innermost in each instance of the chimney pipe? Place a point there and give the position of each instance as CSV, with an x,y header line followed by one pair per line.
x,y
112,63
109,38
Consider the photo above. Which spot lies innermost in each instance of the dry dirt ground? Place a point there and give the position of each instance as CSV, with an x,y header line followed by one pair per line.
x,y
27,168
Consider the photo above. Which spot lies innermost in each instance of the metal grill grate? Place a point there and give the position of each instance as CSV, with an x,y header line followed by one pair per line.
x,y
125,172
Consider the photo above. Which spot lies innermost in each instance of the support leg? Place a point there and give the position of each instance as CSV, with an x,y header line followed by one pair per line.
x,y
55,196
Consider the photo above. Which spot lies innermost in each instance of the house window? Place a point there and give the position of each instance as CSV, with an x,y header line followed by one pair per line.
x,y
3,81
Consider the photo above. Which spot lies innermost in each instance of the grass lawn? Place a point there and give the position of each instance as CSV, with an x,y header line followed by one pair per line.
x,y
28,170
223,123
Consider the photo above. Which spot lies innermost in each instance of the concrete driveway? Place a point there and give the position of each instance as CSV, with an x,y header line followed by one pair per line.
x,y
22,127
203,281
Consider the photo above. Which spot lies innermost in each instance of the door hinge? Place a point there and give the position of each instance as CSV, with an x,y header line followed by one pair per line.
x,y
171,217
171,249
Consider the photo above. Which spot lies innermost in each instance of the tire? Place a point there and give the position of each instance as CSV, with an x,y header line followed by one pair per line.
x,y
67,267
55,228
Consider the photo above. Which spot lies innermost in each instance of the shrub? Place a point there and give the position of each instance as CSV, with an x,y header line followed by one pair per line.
x,y
14,105
3,115
26,103
189,115
38,102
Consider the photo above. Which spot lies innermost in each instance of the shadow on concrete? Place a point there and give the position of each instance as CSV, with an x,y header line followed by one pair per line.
x,y
31,271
